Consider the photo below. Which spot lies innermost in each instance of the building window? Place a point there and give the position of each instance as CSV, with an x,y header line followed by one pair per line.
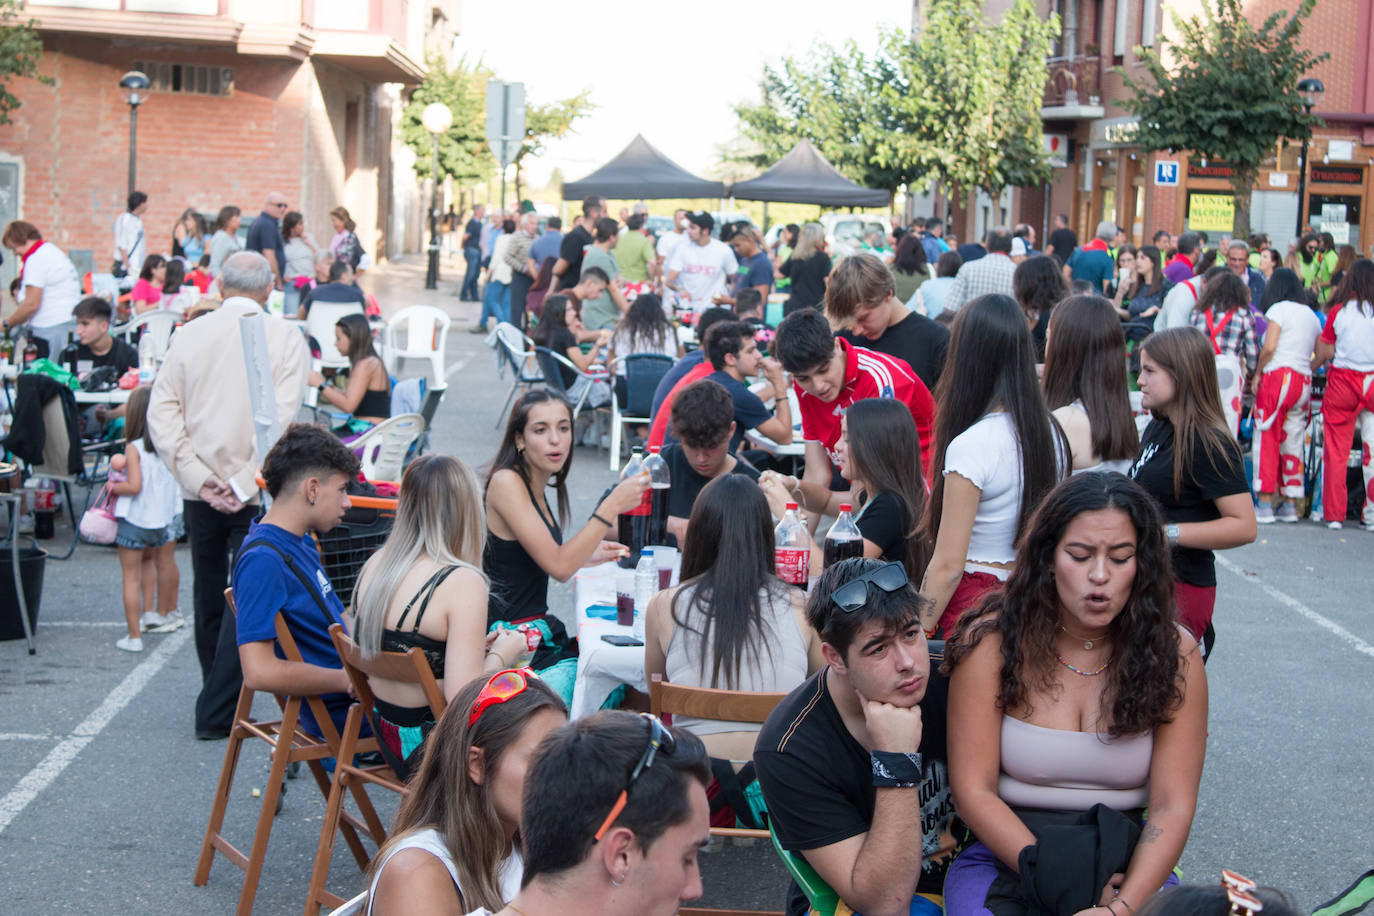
x,y
189,78
1119,30
1149,13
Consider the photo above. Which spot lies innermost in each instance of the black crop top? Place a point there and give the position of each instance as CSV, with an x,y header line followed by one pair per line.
x,y
374,404
399,640
519,586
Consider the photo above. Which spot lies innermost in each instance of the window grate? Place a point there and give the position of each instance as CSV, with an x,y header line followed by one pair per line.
x,y
194,79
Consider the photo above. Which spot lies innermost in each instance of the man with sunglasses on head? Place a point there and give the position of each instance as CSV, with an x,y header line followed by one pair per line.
x,y
613,816
852,762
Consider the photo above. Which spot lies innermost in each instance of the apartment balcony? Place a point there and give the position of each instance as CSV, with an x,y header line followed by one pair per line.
x,y
1072,88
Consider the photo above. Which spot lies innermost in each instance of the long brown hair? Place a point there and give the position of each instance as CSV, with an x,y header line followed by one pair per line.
x,y
509,457
444,797
136,418
1085,360
359,334
885,453
1186,354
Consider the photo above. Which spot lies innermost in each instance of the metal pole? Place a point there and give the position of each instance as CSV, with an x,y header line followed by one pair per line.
x,y
1302,181
505,140
133,145
432,274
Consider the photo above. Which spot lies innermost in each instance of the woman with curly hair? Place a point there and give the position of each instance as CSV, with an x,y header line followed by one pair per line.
x,y
1038,286
1081,701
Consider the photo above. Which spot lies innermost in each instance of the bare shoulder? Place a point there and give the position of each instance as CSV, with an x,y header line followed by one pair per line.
x,y
414,875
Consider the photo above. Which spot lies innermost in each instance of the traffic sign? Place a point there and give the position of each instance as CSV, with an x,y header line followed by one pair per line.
x,y
1166,173
505,119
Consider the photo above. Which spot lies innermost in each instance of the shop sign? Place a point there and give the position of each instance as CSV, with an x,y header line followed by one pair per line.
x,y
1166,173
1115,131
1334,221
1211,212
1057,145
1337,174
1209,168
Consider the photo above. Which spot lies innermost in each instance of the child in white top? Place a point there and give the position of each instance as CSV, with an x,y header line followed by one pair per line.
x,y
147,505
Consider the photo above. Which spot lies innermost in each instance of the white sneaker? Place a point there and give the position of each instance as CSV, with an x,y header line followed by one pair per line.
x,y
1334,526
129,644
153,622
1264,513
1287,513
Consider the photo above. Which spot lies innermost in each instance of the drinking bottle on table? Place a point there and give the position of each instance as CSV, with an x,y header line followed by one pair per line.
x,y
632,525
843,540
646,585
792,548
659,488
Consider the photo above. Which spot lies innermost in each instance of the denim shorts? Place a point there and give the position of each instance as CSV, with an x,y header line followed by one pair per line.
x,y
136,538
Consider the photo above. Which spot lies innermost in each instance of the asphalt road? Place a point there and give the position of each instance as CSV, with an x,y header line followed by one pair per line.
x,y
105,794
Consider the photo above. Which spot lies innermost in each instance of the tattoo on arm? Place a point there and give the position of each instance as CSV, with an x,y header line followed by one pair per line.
x,y
1150,833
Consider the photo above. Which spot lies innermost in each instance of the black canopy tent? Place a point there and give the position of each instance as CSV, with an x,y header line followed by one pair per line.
x,y
641,172
804,176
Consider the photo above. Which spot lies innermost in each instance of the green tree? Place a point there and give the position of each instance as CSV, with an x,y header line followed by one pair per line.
x,y
20,51
1231,95
463,152
964,108
548,122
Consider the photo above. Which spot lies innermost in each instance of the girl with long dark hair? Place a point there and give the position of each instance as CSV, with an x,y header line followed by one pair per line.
x,y
188,236
1120,288
225,240
147,292
1189,460
998,450
645,328
560,328
909,269
368,395
1038,285
1074,688
1347,342
524,537
732,624
455,844
1085,384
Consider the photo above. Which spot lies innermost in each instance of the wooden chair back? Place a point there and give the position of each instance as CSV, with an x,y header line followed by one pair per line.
x,y
409,667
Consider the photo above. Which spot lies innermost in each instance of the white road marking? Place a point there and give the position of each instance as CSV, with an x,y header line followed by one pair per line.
x,y
457,367
1326,623
60,757
21,736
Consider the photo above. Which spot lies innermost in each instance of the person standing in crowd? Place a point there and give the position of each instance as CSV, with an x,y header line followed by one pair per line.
x,y
987,275
931,298
1347,342
225,241
604,311
782,250
1122,280
130,240
1144,299
49,287
1074,691
202,425
524,537
732,624
345,244
1190,462
1063,240
635,258
523,268
1223,314
704,424
754,270
1270,260
852,762
496,295
806,270
998,451
1282,396
932,240
1181,301
1038,285
1085,385
1238,262
668,241
909,267
862,300
188,236
1026,233
472,254
264,236
545,247
567,270
301,251
1182,266
700,268
1326,260
1093,262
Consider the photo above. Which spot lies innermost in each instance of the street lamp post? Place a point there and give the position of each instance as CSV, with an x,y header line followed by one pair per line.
x,y
134,82
437,119
1311,90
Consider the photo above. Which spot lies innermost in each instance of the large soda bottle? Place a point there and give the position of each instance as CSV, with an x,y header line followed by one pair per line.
x,y
659,488
843,540
646,586
69,354
792,548
632,526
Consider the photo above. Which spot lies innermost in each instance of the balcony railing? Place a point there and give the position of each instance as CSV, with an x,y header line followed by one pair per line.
x,y
1072,81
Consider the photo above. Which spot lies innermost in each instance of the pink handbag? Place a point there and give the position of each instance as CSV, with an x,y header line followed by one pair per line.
x,y
98,523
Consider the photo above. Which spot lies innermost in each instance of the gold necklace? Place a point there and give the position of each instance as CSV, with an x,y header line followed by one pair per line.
x,y
1078,671
1087,643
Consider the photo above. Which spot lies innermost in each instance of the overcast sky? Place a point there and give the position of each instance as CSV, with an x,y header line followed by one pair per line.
x,y
669,71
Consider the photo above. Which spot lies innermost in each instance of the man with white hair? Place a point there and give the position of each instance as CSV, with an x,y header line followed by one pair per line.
x,y
1093,262
201,420
523,270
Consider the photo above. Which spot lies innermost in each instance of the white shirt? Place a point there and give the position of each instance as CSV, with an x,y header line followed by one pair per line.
x,y
129,235
1299,327
430,840
50,270
987,455
623,345
668,243
702,271
158,501
1178,305
500,270
1354,332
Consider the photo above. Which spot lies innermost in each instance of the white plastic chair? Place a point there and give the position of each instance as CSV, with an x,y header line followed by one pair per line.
x,y
515,350
385,445
157,324
426,337
319,324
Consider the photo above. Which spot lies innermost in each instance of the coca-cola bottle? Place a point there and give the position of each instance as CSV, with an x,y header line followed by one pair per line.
x,y
792,548
843,540
660,486
633,525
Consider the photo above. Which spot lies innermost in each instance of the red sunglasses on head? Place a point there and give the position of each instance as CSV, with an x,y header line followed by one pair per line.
x,y
499,688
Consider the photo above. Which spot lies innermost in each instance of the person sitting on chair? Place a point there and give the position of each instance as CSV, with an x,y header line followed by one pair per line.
x,y
278,571
368,394
96,348
704,420
340,288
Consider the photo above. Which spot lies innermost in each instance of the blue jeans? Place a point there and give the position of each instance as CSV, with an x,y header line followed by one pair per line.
x,y
495,301
473,254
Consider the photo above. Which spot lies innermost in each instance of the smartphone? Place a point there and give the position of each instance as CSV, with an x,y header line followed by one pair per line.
x,y
616,639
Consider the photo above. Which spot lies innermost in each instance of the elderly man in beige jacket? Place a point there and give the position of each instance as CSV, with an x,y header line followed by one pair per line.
x,y
202,424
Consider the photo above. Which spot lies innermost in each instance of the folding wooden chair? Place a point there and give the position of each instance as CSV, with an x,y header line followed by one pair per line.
x,y
289,744
408,667
719,705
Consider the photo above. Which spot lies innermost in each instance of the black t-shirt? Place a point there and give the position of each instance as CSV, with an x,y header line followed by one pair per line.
x,y
808,281
883,520
687,483
818,780
472,233
122,356
573,247
1209,480
563,340
1062,242
918,340
334,292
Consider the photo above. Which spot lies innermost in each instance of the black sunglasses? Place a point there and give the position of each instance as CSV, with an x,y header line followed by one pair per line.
x,y
659,737
851,596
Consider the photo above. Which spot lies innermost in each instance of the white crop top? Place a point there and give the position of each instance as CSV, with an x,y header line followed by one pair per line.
x,y
512,869
988,455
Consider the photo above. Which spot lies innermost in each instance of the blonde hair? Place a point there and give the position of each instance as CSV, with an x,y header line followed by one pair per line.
x,y
809,240
439,517
859,282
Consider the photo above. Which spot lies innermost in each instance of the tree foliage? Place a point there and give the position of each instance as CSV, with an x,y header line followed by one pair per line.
x,y
20,51
463,152
548,122
1232,93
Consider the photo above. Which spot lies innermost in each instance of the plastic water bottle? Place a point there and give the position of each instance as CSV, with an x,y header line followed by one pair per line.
x,y
843,540
632,525
660,485
646,585
147,359
792,549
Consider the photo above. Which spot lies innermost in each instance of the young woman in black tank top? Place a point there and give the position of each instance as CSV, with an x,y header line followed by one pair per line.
x,y
368,395
524,538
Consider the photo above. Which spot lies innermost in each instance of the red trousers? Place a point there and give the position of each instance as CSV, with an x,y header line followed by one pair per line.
x,y
1281,404
1195,604
1349,400
967,595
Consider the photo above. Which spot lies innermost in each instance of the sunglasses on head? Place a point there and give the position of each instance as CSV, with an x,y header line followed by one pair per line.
x,y
499,688
659,737
890,577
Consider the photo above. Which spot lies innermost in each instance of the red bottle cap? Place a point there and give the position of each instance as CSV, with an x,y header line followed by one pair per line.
x,y
653,449
792,505
846,507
